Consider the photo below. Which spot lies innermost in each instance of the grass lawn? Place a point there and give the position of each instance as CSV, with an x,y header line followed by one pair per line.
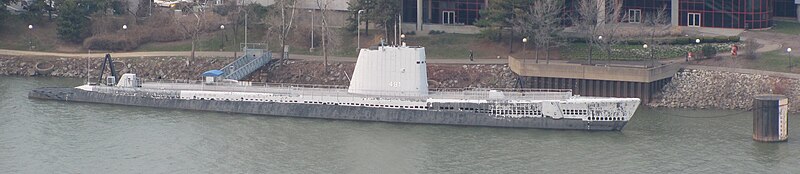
x,y
14,34
774,61
208,41
437,46
786,27
454,46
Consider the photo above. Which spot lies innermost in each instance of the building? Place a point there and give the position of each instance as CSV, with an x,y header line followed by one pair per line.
x,y
741,14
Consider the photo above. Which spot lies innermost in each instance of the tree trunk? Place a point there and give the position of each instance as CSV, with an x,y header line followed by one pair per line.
x,y
194,40
547,52
537,55
591,47
385,32
325,47
325,40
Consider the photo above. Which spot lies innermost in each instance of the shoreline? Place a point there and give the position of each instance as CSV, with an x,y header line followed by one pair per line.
x,y
443,75
689,88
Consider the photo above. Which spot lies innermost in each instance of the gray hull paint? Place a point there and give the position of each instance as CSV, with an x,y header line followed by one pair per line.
x,y
327,111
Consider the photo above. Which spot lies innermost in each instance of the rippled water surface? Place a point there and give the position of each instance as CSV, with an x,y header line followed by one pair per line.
x,y
38,136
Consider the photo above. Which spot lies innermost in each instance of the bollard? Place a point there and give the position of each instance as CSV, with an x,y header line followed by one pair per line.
x,y
770,118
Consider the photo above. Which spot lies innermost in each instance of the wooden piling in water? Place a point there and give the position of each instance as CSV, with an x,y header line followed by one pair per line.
x,y
770,118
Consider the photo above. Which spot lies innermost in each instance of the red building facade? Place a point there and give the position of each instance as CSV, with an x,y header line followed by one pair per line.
x,y
744,14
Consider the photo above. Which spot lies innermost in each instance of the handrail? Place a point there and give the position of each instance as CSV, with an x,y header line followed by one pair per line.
x,y
245,65
297,85
339,90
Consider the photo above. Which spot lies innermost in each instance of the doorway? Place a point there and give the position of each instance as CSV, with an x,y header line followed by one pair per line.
x,y
448,17
693,20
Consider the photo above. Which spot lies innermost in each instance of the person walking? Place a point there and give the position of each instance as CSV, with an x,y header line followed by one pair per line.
x,y
470,56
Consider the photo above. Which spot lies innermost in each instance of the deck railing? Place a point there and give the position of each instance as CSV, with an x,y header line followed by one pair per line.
x,y
340,90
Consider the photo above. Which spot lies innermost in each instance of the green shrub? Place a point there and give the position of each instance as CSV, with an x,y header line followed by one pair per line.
x,y
709,51
683,41
634,42
669,41
435,32
110,42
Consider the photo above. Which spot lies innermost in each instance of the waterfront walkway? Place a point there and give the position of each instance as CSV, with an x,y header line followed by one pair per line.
x,y
767,47
227,54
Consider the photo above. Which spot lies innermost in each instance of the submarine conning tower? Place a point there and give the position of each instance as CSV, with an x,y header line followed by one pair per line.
x,y
390,71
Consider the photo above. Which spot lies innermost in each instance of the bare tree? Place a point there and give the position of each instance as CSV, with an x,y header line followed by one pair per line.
x,y
191,29
286,11
323,6
549,20
652,24
614,17
596,17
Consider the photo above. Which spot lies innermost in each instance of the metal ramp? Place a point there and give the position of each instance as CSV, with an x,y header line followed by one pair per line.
x,y
252,60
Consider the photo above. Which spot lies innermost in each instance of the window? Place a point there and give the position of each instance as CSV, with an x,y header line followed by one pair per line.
x,y
634,15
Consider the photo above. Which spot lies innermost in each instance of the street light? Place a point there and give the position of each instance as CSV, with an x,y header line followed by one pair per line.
x,y
312,30
30,37
697,41
124,27
645,48
789,56
402,38
222,30
358,32
525,48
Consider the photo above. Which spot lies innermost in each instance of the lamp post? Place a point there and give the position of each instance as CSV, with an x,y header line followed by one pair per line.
x,y
645,46
525,48
222,39
124,31
789,56
600,40
358,32
311,49
30,37
402,39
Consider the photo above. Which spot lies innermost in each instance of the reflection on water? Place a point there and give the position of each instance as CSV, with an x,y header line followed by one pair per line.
x,y
39,136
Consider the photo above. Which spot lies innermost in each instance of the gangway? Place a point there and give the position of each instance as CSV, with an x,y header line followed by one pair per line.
x,y
255,56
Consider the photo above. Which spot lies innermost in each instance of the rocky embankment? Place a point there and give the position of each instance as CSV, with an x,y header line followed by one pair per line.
x,y
724,90
150,68
338,73
280,71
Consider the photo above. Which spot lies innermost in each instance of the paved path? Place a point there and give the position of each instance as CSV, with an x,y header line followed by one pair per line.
x,y
228,54
744,71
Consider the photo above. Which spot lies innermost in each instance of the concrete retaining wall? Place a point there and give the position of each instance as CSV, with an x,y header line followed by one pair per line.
x,y
589,72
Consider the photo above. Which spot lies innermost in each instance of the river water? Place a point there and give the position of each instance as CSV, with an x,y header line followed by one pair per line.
x,y
38,136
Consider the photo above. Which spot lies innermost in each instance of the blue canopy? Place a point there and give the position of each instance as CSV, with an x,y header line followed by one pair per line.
x,y
213,73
